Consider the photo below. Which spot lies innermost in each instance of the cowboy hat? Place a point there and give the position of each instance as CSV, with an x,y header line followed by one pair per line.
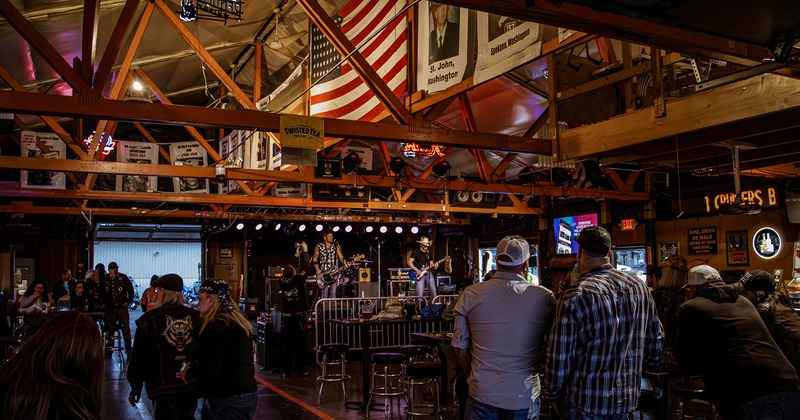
x,y
424,241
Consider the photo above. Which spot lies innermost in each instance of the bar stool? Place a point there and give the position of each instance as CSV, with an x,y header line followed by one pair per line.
x,y
115,344
422,374
333,355
418,353
695,392
382,367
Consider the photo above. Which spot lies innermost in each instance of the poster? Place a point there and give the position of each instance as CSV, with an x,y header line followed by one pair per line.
x,y
796,267
737,250
364,152
667,249
443,39
137,152
56,150
703,240
504,43
257,144
231,150
189,154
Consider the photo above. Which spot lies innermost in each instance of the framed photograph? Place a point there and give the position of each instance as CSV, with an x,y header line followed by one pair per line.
x,y
225,250
666,250
736,246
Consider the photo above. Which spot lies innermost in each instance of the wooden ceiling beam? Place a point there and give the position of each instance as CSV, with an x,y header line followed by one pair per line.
x,y
41,45
51,123
39,104
318,16
115,42
91,16
143,131
207,172
738,101
209,61
617,26
212,152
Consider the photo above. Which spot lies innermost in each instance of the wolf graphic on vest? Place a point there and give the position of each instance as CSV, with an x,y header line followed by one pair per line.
x,y
178,332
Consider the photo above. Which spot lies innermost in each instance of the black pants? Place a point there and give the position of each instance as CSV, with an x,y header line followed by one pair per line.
x,y
294,343
119,318
174,407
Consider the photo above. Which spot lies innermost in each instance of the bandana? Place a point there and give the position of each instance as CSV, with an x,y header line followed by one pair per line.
x,y
220,288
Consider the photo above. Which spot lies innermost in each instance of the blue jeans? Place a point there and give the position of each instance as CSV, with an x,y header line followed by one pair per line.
x,y
478,411
234,407
569,411
778,406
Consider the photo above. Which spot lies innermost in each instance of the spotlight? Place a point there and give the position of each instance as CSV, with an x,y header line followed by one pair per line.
x,y
441,169
302,227
384,229
397,165
336,228
277,226
526,175
415,230
369,229
239,226
188,10
348,228
351,162
259,226
137,86
398,229
319,227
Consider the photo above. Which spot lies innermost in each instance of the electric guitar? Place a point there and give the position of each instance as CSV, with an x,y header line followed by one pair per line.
x,y
326,278
424,270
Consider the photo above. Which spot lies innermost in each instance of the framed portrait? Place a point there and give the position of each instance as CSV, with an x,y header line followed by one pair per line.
x,y
225,250
666,250
736,246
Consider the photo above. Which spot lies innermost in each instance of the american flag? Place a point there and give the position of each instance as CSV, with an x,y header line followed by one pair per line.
x,y
342,94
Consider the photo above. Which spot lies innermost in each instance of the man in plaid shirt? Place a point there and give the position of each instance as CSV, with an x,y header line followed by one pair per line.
x,y
605,330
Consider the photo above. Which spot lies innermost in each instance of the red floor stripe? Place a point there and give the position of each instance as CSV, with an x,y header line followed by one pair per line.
x,y
295,400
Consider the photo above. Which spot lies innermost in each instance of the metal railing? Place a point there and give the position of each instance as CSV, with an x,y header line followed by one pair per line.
x,y
382,336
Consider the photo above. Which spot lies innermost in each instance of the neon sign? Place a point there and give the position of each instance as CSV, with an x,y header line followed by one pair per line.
x,y
108,147
766,197
412,149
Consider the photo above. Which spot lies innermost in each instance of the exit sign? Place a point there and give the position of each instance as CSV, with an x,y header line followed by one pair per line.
x,y
628,224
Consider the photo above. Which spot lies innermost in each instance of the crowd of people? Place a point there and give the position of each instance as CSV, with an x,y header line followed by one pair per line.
x,y
584,350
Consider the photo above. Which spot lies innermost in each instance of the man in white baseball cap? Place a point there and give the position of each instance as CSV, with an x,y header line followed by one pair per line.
x,y
503,378
420,262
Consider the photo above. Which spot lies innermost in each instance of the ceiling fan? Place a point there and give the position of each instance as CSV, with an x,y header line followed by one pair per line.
x,y
280,45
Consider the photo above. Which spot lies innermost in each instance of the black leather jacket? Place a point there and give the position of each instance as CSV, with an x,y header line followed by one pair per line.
x,y
783,325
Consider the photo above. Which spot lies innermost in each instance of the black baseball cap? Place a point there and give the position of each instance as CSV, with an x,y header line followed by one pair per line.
x,y
595,240
112,265
172,282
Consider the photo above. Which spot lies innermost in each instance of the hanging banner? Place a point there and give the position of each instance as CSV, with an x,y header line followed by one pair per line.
x,y
276,153
257,154
137,152
231,150
189,154
504,43
446,46
56,150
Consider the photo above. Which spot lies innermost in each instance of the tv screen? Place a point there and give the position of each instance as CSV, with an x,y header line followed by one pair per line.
x,y
567,229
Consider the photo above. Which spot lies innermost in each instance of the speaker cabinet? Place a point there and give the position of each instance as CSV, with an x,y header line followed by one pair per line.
x,y
473,199
364,275
369,289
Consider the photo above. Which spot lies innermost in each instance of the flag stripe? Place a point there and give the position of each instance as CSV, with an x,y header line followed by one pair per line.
x,y
346,95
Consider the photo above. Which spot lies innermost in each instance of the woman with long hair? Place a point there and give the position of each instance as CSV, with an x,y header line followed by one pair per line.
x,y
35,294
57,373
222,359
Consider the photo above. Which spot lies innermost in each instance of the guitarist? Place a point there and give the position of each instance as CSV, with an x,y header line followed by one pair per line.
x,y
418,262
327,256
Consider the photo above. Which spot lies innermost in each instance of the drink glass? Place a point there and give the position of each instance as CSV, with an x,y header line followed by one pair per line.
x,y
366,310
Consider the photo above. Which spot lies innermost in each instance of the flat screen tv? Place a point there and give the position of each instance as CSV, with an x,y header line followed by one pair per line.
x,y
568,228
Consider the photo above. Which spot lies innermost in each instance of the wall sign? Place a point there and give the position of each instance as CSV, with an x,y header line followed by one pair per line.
x,y
767,243
737,250
764,197
703,240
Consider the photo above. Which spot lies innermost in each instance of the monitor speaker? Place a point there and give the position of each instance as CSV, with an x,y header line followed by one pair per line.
x,y
473,199
368,289
364,275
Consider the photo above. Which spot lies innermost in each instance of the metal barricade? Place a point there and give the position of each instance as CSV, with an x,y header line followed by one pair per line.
x,y
388,335
444,299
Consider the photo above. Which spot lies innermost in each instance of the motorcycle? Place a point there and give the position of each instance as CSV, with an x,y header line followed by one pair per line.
x,y
189,296
136,301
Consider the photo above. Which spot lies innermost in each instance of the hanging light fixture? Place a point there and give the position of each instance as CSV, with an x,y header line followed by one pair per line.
x,y
441,168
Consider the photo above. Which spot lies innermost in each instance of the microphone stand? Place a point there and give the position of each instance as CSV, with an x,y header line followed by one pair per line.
x,y
378,251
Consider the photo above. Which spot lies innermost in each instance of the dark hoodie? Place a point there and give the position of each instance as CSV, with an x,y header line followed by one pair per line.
x,y
721,336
